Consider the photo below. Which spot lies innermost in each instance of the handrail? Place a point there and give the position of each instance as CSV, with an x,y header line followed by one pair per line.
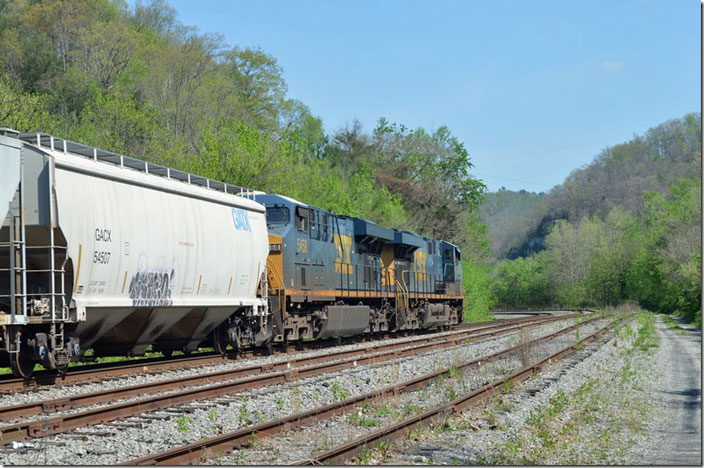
x,y
99,155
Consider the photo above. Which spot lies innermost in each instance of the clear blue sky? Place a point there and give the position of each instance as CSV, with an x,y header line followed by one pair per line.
x,y
534,89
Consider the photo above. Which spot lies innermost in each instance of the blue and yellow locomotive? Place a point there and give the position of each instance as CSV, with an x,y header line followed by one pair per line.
x,y
331,275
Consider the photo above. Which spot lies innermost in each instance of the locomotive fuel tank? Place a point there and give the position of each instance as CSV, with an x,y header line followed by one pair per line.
x,y
104,251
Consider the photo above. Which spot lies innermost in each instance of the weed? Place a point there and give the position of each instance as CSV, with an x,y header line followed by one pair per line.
x,y
413,434
536,416
323,447
297,400
212,415
254,442
507,385
455,462
558,401
454,372
358,419
381,412
244,416
363,457
490,417
446,425
279,403
450,393
410,408
338,392
183,423
384,448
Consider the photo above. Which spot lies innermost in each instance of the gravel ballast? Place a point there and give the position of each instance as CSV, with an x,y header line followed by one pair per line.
x,y
123,440
599,408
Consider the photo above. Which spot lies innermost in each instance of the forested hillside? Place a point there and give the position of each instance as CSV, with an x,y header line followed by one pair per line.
x,y
625,227
509,215
137,81
619,176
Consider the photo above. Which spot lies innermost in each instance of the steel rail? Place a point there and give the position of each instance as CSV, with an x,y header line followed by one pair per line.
x,y
91,372
64,423
341,453
196,451
104,396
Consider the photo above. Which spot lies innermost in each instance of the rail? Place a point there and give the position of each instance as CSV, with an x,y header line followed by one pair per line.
x,y
342,453
197,451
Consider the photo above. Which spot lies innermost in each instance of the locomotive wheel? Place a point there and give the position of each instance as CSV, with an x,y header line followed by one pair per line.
x,y
21,364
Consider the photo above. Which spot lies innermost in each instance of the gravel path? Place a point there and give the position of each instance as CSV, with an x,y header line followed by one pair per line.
x,y
677,431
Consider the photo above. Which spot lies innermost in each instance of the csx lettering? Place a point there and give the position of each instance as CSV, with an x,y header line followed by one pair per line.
x,y
343,262
241,220
101,257
420,259
103,235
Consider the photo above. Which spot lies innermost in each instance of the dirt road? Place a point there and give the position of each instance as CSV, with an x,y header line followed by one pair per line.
x,y
680,438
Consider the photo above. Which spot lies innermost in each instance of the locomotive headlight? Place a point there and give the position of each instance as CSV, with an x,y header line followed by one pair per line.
x,y
274,248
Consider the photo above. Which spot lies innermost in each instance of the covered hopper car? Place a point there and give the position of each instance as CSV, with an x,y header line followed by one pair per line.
x,y
102,251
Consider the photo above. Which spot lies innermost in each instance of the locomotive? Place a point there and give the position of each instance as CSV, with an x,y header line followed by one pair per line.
x,y
99,250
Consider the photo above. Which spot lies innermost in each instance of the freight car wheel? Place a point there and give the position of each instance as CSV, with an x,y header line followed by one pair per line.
x,y
221,339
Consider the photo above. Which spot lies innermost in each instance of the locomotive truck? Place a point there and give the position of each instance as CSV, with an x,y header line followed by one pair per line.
x,y
100,250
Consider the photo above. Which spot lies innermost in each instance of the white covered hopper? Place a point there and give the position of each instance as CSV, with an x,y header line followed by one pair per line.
x,y
139,254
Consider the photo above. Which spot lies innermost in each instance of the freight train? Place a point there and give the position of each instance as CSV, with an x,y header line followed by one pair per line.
x,y
99,250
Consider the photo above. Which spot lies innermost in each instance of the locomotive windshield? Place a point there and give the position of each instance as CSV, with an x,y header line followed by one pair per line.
x,y
277,215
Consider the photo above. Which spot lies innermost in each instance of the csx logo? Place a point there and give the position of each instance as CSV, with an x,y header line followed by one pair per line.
x,y
239,217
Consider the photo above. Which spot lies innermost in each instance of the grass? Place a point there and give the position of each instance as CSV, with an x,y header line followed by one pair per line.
x,y
672,325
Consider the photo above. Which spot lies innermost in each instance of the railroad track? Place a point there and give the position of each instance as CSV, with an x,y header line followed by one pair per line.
x,y
94,372
346,451
197,451
255,377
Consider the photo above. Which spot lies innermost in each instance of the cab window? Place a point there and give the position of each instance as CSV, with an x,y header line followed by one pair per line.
x,y
277,215
448,255
302,219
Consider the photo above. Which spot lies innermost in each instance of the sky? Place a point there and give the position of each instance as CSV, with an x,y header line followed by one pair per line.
x,y
534,89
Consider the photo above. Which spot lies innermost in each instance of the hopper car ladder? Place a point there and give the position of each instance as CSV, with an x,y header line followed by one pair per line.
x,y
16,270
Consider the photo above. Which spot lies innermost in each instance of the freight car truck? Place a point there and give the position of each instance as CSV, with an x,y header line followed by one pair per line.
x,y
113,253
